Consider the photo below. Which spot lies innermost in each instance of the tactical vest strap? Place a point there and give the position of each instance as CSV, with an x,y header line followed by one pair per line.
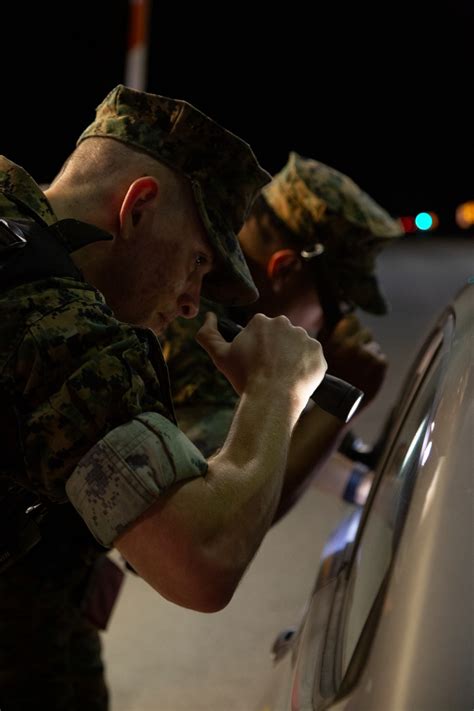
x,y
30,252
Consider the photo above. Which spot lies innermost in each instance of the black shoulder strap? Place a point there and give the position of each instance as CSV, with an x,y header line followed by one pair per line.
x,y
30,251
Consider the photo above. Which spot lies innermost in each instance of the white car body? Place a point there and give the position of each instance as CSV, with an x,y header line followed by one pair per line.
x,y
389,625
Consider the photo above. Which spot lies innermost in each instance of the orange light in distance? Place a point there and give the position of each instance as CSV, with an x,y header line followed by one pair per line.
x,y
465,215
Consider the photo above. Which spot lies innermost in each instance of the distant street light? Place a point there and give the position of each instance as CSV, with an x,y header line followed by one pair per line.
x,y
426,221
421,222
465,215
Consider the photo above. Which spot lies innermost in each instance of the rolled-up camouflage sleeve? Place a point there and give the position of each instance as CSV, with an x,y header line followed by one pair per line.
x,y
125,472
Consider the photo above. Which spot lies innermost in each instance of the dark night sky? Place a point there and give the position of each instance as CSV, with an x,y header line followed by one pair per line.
x,y
381,95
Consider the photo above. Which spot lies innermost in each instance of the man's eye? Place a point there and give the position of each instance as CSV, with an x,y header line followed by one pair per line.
x,y
200,260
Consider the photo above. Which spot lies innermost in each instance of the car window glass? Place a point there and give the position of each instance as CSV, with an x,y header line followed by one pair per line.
x,y
385,519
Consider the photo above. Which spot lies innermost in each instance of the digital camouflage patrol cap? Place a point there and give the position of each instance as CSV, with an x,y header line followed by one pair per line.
x,y
222,169
318,204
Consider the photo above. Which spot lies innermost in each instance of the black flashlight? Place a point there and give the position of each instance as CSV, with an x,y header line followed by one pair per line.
x,y
333,395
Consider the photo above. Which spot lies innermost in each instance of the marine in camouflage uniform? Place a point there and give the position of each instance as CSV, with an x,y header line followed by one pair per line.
x,y
43,632
317,210
70,373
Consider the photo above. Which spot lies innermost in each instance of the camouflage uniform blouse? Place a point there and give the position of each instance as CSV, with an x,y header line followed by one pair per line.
x,y
91,422
204,399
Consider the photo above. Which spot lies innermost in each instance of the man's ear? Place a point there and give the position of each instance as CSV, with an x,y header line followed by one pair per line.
x,y
281,266
139,199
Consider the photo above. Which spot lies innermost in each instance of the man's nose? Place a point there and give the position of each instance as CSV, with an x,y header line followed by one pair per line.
x,y
189,310
189,302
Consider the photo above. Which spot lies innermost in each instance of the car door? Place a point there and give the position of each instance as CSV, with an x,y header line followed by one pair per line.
x,y
355,646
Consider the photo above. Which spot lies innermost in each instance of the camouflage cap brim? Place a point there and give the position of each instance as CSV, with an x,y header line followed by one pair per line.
x,y
231,268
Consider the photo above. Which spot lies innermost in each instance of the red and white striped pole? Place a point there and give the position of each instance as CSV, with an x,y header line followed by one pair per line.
x,y
137,46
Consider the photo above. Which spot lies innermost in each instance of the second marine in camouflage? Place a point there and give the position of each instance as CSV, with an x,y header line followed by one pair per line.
x,y
311,241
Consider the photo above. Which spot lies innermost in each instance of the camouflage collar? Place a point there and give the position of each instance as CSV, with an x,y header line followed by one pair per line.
x,y
21,196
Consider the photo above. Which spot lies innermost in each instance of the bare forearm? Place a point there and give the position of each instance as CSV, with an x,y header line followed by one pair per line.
x,y
315,437
195,543
248,473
